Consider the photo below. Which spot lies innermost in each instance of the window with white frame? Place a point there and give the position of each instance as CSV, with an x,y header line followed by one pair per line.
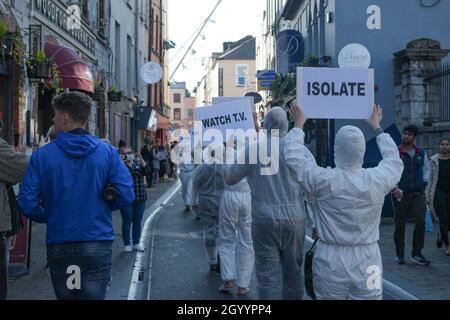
x,y
241,75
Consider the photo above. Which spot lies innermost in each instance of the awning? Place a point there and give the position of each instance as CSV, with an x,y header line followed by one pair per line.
x,y
74,72
163,122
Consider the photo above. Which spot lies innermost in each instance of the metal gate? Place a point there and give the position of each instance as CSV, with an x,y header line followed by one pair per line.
x,y
438,95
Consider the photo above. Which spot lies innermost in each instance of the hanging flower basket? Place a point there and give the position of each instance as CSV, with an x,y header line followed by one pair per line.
x,y
39,69
115,96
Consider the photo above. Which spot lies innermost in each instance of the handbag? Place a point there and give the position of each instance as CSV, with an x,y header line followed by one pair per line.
x,y
16,216
309,272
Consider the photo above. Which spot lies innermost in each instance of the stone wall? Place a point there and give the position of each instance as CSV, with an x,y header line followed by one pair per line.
x,y
412,66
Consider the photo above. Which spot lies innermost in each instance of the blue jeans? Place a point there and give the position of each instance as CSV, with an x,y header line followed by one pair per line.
x,y
132,215
94,260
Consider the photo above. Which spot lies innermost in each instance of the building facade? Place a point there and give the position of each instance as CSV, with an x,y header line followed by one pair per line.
x,y
182,106
75,42
231,73
385,28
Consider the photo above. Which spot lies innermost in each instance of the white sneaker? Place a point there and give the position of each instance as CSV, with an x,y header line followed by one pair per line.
x,y
139,248
127,249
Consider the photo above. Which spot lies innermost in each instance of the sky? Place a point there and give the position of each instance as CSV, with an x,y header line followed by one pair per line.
x,y
233,20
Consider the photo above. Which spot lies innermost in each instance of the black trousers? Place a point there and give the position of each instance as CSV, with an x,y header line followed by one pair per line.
x,y
4,254
442,207
415,203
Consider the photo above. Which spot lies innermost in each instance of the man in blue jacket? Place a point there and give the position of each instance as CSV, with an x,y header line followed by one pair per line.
x,y
63,188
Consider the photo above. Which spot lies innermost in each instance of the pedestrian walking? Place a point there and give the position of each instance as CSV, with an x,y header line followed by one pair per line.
x,y
409,197
347,214
237,257
156,164
64,187
278,214
13,165
187,174
132,215
147,155
208,190
438,192
163,162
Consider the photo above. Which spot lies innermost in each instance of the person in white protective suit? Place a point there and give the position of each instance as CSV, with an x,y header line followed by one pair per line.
x,y
278,215
187,172
208,190
347,261
235,244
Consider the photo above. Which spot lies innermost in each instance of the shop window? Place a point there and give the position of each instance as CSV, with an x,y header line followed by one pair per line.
x,y
101,18
85,11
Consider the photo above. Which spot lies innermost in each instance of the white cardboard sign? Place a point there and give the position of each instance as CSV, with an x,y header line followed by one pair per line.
x,y
226,116
220,100
333,93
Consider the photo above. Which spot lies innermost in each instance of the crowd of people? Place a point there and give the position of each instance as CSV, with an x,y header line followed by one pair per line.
x,y
252,221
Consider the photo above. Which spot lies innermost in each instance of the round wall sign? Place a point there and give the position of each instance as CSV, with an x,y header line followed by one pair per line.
x,y
151,72
354,55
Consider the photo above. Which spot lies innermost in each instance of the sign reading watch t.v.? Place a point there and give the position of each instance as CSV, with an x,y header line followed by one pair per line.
x,y
333,93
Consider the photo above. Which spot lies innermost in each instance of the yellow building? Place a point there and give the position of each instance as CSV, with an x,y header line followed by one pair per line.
x,y
231,73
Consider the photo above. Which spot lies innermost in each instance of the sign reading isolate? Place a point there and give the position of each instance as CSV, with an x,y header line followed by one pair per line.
x,y
332,93
54,15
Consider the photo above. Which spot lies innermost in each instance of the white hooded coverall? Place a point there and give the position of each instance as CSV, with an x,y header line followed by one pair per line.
x,y
278,217
237,256
207,193
347,261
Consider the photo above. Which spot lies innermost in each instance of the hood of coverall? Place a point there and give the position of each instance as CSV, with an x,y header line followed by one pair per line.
x,y
276,118
350,147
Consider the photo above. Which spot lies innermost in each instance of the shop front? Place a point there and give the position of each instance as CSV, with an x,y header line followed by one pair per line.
x,y
69,50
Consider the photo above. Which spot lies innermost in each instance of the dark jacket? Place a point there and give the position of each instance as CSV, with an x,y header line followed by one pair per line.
x,y
412,180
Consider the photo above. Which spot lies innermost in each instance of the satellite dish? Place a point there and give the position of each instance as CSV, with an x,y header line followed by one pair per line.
x,y
255,95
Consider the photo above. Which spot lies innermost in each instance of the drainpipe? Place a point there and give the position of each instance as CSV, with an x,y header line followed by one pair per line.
x,y
134,137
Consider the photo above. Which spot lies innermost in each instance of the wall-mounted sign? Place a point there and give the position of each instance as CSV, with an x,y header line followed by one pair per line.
x,y
265,79
35,39
290,51
152,122
335,93
53,14
354,55
151,72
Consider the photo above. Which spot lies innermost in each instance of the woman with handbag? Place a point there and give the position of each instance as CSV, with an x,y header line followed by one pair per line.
x,y
438,192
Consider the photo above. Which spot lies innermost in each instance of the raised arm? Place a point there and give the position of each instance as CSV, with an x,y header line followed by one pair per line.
x,y
389,171
300,160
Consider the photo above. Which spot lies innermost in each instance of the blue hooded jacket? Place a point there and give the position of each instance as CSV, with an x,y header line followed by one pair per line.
x,y
69,176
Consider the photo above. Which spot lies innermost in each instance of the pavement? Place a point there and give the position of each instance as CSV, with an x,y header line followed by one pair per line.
x,y
425,282
175,264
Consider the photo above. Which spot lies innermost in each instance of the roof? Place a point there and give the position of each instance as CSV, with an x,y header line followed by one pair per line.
x,y
244,49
